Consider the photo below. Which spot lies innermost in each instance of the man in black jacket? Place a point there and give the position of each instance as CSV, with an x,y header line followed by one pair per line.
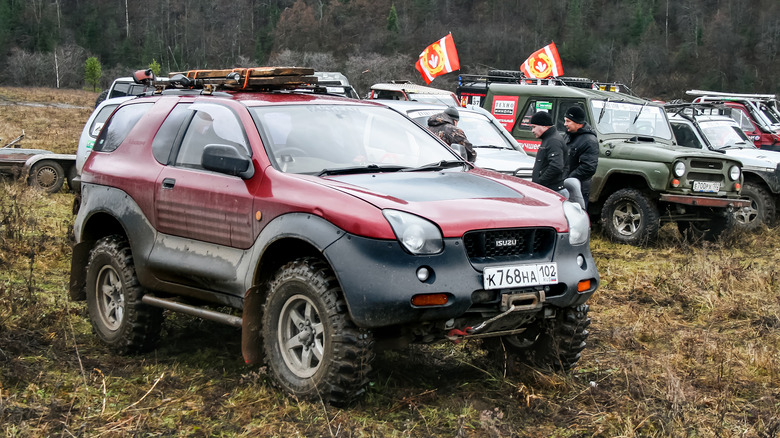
x,y
583,153
550,163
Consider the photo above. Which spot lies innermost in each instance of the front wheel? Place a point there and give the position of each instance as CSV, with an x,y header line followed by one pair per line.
x,y
556,344
312,348
709,230
630,216
47,175
760,211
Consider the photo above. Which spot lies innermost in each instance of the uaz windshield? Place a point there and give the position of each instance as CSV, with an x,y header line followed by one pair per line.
x,y
630,119
323,139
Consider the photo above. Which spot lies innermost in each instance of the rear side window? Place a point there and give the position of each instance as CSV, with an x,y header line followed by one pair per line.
x,y
169,132
100,119
119,126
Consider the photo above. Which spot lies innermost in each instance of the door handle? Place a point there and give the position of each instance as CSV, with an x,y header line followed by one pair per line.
x,y
168,183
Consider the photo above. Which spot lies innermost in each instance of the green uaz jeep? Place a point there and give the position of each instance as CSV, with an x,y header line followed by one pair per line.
x,y
644,178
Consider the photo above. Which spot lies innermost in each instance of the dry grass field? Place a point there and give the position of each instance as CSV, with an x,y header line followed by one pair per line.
x,y
685,342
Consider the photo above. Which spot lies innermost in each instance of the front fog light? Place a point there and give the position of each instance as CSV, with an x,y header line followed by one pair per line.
x,y
423,273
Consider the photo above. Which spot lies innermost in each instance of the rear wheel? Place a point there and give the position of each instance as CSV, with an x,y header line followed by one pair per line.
x,y
312,348
555,345
630,216
47,175
761,209
118,316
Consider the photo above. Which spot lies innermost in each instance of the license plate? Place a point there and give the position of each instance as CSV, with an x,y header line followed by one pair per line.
x,y
706,186
537,274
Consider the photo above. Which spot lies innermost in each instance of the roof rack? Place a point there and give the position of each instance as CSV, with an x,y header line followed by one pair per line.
x,y
722,95
518,77
237,79
698,108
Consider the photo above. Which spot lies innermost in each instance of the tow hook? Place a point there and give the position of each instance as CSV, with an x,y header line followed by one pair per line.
x,y
510,302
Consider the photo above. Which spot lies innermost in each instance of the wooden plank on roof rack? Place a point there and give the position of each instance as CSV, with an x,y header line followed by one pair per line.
x,y
253,72
282,80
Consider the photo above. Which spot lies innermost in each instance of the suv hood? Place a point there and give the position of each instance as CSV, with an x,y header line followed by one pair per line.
x,y
755,157
504,161
492,200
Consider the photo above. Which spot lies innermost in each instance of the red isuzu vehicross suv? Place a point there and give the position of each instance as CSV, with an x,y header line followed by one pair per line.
x,y
331,226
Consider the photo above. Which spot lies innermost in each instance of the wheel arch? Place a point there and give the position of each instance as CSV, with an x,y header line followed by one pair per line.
x,y
97,226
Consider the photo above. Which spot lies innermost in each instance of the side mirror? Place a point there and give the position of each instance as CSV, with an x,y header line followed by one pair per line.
x,y
227,159
460,149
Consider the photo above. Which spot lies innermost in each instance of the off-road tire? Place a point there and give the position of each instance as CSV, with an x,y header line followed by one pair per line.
x,y
556,345
761,210
101,97
695,231
327,357
47,175
630,216
116,312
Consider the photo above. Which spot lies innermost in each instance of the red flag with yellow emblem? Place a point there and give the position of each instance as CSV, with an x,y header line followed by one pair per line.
x,y
438,58
543,63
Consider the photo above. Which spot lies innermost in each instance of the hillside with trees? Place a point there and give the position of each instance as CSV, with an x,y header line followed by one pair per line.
x,y
659,48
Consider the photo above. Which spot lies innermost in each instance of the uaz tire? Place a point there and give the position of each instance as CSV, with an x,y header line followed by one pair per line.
x,y
630,216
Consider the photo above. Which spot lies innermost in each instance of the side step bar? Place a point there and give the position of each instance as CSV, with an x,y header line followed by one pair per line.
x,y
175,306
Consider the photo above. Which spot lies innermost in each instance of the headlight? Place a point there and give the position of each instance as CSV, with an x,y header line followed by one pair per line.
x,y
679,169
734,173
417,235
579,223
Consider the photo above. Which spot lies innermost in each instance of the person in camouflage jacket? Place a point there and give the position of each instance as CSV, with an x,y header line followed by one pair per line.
x,y
445,125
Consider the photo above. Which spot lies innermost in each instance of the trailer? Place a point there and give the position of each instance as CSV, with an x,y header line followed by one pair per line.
x,y
39,168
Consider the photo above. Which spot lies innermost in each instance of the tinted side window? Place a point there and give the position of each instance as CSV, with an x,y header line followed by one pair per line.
x,y
685,136
100,119
169,131
119,126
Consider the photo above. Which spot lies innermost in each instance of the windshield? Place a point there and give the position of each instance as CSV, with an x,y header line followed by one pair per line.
x,y
445,99
310,139
723,135
478,129
631,119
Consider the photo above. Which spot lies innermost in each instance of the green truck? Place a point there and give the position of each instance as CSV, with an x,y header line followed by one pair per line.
x,y
644,178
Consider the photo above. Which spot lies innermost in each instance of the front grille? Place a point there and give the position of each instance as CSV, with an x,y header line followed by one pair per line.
x,y
711,177
508,245
707,164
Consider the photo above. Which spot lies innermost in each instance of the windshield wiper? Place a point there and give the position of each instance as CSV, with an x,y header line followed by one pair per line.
x,y
490,146
639,113
371,168
443,164
603,108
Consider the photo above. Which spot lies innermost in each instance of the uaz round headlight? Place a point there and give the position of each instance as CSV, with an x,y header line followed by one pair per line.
x,y
734,173
679,169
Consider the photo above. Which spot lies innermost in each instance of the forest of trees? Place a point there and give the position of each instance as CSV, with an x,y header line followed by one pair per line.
x,y
659,48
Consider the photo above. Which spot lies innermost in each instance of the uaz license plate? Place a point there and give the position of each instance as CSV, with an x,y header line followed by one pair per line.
x,y
537,274
706,186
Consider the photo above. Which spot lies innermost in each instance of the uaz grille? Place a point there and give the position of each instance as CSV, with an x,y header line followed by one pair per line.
x,y
491,246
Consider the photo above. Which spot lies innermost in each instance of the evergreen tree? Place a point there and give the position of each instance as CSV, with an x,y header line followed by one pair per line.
x,y
155,66
392,20
92,72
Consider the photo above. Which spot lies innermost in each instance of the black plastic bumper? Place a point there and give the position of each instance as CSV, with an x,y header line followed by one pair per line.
x,y
379,279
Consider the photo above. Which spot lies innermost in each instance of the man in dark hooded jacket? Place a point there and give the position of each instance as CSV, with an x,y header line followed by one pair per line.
x,y
583,145
445,125
550,159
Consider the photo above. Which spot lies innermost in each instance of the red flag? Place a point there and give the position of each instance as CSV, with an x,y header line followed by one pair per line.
x,y
437,59
543,63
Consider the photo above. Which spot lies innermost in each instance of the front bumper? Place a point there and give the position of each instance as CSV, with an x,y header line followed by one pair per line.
x,y
379,279
704,201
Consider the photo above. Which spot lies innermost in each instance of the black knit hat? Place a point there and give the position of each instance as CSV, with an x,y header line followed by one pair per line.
x,y
576,115
452,112
541,118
